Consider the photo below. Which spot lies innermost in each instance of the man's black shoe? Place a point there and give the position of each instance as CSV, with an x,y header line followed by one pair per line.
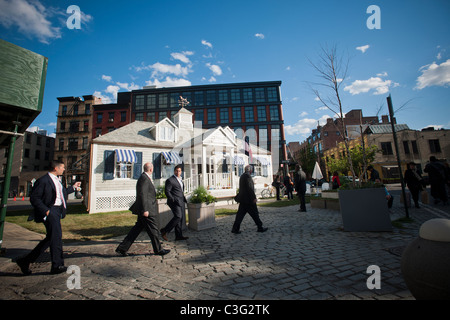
x,y
58,270
24,266
262,229
164,235
235,232
162,252
121,252
181,238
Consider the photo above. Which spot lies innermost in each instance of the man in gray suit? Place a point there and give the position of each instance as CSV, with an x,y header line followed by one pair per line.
x,y
146,209
176,200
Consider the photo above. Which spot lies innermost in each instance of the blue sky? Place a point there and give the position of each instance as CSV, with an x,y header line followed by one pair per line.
x,y
125,45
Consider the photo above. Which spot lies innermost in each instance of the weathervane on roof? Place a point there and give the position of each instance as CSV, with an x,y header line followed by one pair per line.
x,y
183,102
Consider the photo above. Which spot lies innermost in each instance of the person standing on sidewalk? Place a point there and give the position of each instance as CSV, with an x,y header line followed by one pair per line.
x,y
300,186
49,200
438,177
174,189
414,181
146,209
247,202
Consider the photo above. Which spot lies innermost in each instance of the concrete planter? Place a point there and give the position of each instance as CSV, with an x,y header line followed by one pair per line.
x,y
165,214
425,262
201,216
364,210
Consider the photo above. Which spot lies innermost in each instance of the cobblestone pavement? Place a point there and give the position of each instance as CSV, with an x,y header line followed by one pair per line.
x,y
303,256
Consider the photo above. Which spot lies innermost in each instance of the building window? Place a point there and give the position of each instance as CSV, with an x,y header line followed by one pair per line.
x,y
140,102
237,117
139,116
61,145
85,143
211,98
274,113
99,117
47,156
26,153
188,97
110,116
386,147
151,101
75,110
37,155
406,147
86,126
435,147
248,95
223,96
262,113
199,115
272,94
211,116
74,126
166,133
151,117
163,99
174,100
263,137
259,95
124,170
39,141
98,132
73,144
249,114
64,110
87,108
199,98
123,116
162,115
28,136
224,115
235,95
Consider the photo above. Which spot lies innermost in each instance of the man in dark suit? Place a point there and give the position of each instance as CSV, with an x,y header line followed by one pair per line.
x,y
247,202
174,190
300,186
146,208
49,200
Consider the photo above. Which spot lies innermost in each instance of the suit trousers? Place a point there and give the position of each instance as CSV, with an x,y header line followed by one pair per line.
x,y
150,224
252,210
301,196
53,239
179,214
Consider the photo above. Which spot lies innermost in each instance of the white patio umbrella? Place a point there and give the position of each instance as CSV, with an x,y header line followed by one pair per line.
x,y
317,174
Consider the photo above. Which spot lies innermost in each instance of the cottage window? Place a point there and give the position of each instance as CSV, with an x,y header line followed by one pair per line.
x,y
166,133
124,170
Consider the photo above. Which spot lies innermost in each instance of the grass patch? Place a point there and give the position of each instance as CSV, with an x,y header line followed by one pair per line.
x,y
283,203
223,212
399,222
78,225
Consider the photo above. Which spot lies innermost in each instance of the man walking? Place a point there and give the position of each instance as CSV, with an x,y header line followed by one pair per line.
x,y
438,178
174,189
300,186
247,202
145,207
49,200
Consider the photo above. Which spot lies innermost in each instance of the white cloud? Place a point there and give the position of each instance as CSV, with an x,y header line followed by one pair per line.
x,y
304,126
383,74
160,68
363,48
217,71
206,43
105,99
288,68
259,35
212,79
169,82
107,78
434,75
128,86
182,56
377,84
30,17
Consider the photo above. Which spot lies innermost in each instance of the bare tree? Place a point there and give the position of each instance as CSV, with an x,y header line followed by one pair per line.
x,y
332,69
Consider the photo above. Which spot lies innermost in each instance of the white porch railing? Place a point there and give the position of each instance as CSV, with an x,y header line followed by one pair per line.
x,y
214,181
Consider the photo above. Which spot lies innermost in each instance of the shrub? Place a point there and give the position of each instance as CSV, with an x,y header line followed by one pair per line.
x,y
200,195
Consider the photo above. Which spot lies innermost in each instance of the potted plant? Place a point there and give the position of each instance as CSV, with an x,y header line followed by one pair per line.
x,y
201,210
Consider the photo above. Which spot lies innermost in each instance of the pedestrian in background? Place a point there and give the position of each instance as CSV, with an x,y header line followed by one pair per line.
x,y
300,186
49,200
289,184
414,181
438,178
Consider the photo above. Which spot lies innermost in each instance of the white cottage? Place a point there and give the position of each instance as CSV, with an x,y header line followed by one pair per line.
x,y
213,158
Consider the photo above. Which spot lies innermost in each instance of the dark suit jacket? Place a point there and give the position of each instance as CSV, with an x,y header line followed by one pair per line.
x,y
174,192
300,181
246,189
145,197
43,197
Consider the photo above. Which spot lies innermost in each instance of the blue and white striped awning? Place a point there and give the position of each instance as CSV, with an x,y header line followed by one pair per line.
x,y
172,157
239,160
263,161
124,155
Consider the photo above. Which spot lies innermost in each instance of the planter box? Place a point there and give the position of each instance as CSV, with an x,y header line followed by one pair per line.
x,y
318,203
330,195
165,214
201,216
365,210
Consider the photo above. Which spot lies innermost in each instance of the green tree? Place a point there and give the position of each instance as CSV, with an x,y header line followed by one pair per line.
x,y
307,159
